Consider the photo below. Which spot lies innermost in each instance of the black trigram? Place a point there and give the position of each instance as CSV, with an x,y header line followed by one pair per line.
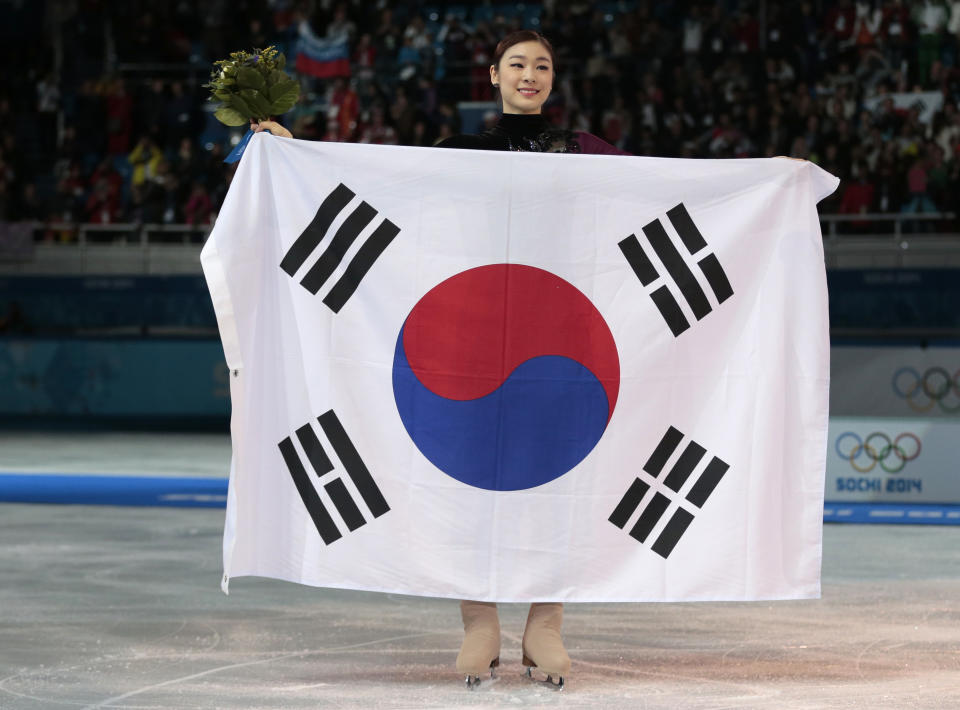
x,y
677,269
681,470
336,249
336,489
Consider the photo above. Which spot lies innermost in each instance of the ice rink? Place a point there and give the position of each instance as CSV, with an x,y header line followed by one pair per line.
x,y
121,607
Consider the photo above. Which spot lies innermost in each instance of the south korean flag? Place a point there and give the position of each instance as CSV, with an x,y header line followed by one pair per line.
x,y
521,376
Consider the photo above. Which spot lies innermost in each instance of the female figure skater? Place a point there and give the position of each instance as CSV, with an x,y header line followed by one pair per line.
x,y
523,72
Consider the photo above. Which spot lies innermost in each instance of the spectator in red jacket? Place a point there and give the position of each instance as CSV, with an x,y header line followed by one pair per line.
x,y
858,198
199,207
103,204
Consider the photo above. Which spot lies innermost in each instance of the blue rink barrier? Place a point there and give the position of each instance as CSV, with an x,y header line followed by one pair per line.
x,y
113,380
892,513
212,493
113,490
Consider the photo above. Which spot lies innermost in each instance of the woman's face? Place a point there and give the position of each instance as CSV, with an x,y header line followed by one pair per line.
x,y
525,76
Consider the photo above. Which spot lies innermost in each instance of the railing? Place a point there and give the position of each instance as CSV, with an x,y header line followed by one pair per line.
x,y
891,241
850,241
893,225
834,226
84,248
125,232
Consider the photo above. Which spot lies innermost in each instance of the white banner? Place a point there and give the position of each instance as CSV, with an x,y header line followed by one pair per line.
x,y
892,460
927,103
521,376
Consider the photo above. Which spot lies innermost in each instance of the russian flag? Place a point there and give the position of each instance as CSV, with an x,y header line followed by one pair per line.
x,y
322,58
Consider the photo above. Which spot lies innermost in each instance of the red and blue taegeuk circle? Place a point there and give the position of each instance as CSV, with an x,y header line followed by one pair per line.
x,y
505,376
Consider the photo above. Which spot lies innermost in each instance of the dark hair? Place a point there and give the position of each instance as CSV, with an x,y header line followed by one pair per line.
x,y
518,37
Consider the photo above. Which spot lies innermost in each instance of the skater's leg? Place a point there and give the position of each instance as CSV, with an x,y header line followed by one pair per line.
x,y
542,644
481,640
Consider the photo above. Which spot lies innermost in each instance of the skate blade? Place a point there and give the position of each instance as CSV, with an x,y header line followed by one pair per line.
x,y
474,681
548,682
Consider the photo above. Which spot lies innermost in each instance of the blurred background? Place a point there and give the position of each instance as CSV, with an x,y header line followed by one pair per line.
x,y
112,173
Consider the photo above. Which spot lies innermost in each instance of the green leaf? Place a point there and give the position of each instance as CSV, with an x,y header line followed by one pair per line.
x,y
250,78
275,77
281,106
230,117
282,88
281,61
256,101
222,94
240,105
283,97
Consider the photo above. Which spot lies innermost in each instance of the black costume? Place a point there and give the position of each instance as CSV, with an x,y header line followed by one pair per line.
x,y
531,133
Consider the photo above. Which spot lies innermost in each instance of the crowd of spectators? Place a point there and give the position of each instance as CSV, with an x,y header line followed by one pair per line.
x,y
105,120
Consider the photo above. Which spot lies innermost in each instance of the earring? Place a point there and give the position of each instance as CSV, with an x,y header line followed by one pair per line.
x,y
496,86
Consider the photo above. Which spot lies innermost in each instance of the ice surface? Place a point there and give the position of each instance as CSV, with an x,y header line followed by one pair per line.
x,y
120,607
113,453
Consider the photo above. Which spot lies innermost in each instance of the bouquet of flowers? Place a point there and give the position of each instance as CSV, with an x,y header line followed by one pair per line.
x,y
252,87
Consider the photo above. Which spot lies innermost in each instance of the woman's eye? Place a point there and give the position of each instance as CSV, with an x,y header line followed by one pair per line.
x,y
544,67
517,64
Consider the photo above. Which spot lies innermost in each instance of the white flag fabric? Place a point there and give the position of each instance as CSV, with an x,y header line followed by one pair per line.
x,y
521,376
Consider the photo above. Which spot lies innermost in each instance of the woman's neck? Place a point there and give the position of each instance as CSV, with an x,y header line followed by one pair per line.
x,y
517,126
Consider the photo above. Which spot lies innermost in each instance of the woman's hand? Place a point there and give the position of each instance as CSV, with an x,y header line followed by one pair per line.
x,y
271,126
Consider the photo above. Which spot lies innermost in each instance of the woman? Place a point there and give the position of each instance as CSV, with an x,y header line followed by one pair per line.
x,y
523,71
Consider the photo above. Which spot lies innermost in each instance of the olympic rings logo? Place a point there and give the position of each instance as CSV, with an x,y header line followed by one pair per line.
x,y
934,387
878,448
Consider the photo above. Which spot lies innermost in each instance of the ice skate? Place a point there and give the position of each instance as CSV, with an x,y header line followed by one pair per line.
x,y
542,645
481,641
